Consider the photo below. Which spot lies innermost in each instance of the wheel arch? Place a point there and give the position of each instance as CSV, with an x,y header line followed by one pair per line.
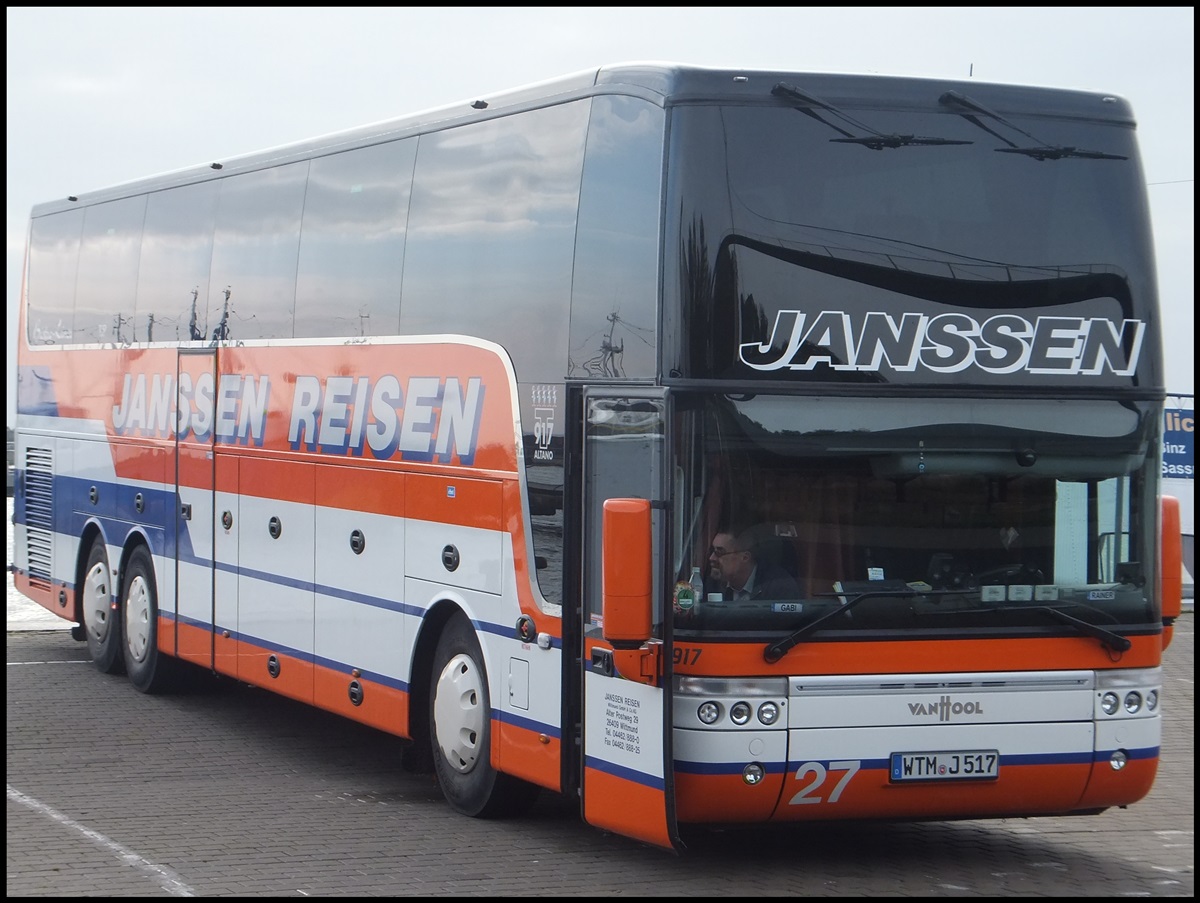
x,y
87,538
420,680
134,541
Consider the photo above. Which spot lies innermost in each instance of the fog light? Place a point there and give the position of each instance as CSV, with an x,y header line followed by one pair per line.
x,y
739,712
753,774
1109,702
768,713
1152,700
708,712
1118,760
1133,701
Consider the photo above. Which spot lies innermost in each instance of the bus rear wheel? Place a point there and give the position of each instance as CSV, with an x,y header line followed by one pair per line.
x,y
460,719
100,621
149,671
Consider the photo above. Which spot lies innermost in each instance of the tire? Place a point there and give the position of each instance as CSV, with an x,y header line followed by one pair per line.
x,y
149,670
460,729
100,618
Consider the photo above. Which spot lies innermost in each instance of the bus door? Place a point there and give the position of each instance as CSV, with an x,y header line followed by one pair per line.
x,y
195,487
626,779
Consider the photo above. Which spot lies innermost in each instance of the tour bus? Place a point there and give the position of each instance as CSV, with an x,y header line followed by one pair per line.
x,y
433,424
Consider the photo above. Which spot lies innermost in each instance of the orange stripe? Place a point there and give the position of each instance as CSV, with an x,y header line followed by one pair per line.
x,y
381,707
295,679
526,754
725,798
452,500
47,597
146,461
1022,790
371,491
626,807
278,480
917,656
1119,788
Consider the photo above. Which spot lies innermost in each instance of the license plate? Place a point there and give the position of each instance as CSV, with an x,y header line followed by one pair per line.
x,y
956,765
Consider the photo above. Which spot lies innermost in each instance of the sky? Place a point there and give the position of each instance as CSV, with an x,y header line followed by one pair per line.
x,y
103,95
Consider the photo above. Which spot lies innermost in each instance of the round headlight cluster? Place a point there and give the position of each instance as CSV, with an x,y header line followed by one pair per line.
x,y
739,713
1133,702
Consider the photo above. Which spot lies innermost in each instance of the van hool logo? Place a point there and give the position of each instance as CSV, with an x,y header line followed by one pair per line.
x,y
944,708
948,343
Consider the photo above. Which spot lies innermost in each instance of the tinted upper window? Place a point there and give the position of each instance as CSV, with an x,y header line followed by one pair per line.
x,y
614,306
253,290
352,242
53,263
108,267
492,231
793,236
172,297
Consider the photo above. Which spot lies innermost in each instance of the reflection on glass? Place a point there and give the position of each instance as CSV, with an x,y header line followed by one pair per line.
x,y
253,288
973,516
779,221
352,242
614,304
108,266
491,234
53,263
172,295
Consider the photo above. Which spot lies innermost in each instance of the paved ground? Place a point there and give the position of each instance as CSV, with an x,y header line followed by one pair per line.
x,y
230,791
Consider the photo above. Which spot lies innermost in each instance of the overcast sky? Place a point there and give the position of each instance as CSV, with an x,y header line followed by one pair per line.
x,y
102,95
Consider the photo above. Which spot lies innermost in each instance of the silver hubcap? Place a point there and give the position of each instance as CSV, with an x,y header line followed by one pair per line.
x,y
458,713
97,602
137,619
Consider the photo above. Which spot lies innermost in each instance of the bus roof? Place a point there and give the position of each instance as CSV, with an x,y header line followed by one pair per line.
x,y
661,82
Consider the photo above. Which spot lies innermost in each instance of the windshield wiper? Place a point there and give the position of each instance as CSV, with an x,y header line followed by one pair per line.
x,y
1058,152
775,651
876,140
879,142
1109,638
1042,151
1113,641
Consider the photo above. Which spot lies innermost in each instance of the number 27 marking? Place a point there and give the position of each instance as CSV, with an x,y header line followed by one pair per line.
x,y
818,773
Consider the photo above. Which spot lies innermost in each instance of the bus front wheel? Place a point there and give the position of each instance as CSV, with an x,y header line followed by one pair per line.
x,y
100,621
460,716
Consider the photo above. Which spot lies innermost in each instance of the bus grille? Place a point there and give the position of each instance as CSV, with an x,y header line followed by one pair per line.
x,y
39,515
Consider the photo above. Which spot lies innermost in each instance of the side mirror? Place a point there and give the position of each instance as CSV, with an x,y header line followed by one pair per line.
x,y
627,574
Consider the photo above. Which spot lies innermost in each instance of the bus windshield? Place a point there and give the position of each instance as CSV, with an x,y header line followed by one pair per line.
x,y
947,514
796,242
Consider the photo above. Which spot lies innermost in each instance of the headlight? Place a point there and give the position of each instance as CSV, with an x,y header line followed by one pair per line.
x,y
708,712
1152,700
1133,701
1109,702
739,712
768,713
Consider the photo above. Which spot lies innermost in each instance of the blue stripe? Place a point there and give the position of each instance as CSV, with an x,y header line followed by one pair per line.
x,y
626,774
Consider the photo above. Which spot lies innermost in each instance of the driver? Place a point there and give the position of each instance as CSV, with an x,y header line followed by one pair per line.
x,y
736,573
